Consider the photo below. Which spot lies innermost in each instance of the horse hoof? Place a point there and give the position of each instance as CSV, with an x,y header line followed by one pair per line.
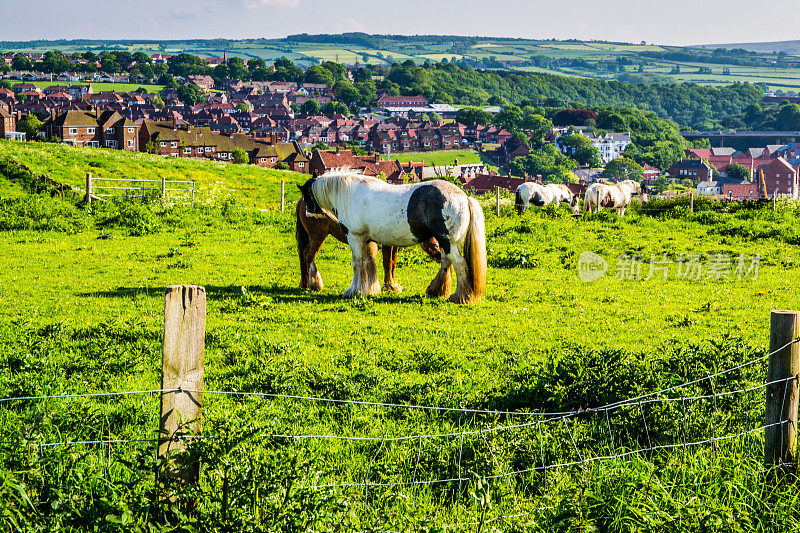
x,y
394,287
461,299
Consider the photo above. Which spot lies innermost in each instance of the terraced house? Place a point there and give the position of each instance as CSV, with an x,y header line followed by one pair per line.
x,y
87,128
172,139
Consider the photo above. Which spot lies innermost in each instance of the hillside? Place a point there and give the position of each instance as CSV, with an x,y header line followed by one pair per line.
x,y
788,47
593,59
215,181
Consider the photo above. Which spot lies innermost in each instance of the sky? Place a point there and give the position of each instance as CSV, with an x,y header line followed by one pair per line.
x,y
655,21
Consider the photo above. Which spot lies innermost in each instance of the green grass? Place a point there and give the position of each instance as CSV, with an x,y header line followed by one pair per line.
x,y
215,181
97,87
441,157
87,316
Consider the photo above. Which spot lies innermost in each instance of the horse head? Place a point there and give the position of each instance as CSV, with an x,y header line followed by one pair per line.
x,y
574,200
312,207
642,192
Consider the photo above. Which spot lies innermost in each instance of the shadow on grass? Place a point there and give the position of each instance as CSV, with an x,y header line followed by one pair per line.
x,y
277,293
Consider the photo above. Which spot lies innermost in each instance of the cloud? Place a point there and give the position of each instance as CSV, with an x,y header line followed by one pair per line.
x,y
256,4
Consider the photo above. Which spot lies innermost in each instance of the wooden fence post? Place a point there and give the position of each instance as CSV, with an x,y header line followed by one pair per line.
x,y
497,200
691,202
89,188
780,434
774,205
182,369
283,195
163,188
597,207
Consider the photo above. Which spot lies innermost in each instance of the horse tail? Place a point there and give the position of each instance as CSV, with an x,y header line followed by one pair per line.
x,y
303,241
475,253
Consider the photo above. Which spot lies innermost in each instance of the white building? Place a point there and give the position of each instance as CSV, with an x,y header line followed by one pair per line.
x,y
708,188
610,145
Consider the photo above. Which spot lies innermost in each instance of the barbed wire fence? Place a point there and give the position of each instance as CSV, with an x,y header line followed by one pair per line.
x,y
523,450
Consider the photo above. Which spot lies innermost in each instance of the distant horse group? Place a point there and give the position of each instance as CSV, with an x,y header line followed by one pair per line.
x,y
598,196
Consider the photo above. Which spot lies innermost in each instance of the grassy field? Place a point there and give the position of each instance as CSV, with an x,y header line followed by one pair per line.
x,y
87,316
215,181
97,87
445,157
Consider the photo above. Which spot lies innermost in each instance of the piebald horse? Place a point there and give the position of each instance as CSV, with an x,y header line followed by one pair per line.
x,y
617,196
531,193
370,210
311,233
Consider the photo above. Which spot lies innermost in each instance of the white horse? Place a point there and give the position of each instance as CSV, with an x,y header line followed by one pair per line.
x,y
531,193
617,196
371,210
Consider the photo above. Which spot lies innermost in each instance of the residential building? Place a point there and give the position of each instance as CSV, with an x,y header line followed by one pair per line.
x,y
694,169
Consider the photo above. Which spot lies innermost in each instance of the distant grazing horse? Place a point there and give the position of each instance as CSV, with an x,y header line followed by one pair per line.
x,y
370,210
531,193
311,232
617,196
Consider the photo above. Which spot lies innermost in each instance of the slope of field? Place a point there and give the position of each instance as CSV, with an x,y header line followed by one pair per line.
x,y
87,316
215,181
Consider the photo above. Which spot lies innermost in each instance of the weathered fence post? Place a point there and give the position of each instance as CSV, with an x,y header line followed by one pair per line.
x,y
182,369
774,205
283,195
497,200
597,207
691,202
89,188
163,188
780,434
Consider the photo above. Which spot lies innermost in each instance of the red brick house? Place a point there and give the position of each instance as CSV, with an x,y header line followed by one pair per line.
x,y
87,128
779,177
402,101
370,165
740,191
8,122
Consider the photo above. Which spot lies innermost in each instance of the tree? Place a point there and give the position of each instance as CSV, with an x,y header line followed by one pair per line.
x,y
241,106
237,70
623,168
548,162
574,117
30,126
20,62
788,118
661,185
579,148
240,157
337,107
338,72
346,92
738,172
319,75
191,94
167,80
473,115
510,118
141,58
311,107
537,127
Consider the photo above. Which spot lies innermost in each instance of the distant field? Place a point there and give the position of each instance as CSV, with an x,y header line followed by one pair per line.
x,y
601,57
97,87
444,157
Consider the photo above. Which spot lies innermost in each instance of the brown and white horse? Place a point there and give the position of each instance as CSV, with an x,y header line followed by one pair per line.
x,y
617,196
531,193
311,232
370,210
